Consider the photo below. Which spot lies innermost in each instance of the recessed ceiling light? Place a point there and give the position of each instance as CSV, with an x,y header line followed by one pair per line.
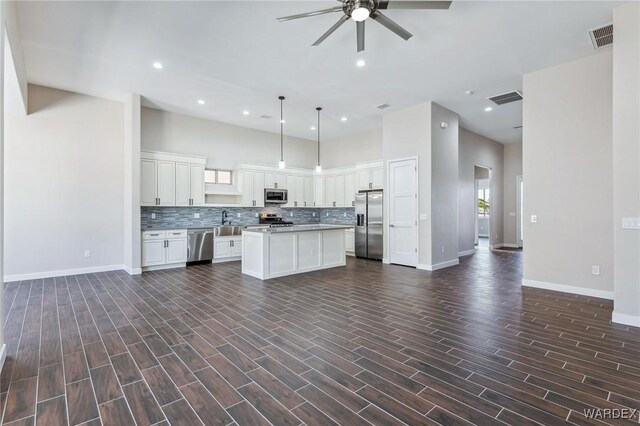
x,y
245,112
468,92
158,65
343,119
201,102
313,127
361,63
488,109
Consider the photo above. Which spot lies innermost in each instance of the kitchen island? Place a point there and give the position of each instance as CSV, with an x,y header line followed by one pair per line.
x,y
277,252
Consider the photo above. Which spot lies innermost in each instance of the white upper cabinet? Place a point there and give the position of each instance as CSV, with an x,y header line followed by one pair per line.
x,y
318,193
339,191
281,181
349,189
329,191
308,191
252,184
370,176
149,186
335,190
171,180
270,179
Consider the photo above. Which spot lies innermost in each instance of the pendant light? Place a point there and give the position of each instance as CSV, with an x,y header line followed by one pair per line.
x,y
281,163
318,167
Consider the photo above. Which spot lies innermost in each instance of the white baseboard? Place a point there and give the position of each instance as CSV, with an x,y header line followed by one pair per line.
x,y
133,271
385,261
350,253
466,253
496,246
602,294
161,267
437,266
3,355
62,273
626,319
509,245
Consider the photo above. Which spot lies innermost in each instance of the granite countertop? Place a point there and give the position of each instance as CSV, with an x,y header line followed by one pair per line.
x,y
300,228
252,226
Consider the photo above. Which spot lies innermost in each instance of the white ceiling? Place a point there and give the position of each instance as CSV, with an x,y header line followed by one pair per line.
x,y
236,56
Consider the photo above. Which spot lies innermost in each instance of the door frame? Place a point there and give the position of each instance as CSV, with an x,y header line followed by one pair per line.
x,y
387,209
475,202
519,211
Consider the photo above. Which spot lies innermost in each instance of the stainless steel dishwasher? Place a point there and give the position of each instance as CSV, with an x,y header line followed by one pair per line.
x,y
199,245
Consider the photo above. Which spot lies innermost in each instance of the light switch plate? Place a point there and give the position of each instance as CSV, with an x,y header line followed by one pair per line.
x,y
512,214
87,253
153,215
631,223
534,218
423,216
196,215
595,270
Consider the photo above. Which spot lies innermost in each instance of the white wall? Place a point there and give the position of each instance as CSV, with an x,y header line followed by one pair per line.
x,y
407,133
64,183
224,145
347,151
444,186
476,150
512,169
567,153
626,161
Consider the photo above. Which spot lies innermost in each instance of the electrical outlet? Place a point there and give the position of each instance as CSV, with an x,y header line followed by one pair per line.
x,y
256,214
87,253
153,215
196,215
327,214
442,249
314,214
595,270
534,218
238,215
345,214
290,214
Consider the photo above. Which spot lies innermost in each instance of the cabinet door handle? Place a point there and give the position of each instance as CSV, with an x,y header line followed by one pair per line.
x,y
154,235
275,185
295,204
334,204
353,203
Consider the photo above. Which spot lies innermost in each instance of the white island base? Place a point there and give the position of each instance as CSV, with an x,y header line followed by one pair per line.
x,y
277,252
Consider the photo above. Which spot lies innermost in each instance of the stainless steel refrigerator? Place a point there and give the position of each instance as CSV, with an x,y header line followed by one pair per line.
x,y
369,224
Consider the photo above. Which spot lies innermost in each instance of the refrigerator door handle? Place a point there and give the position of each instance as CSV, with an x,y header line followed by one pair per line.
x,y
360,220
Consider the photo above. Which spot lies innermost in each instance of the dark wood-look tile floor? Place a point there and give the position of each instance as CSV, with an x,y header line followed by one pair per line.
x,y
364,344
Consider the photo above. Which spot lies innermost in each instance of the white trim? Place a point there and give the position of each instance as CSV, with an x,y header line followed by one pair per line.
x,y
466,253
625,319
602,294
62,273
133,271
161,267
437,266
496,246
385,261
509,245
3,355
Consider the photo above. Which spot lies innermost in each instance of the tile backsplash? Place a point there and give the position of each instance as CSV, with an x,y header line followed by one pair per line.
x,y
184,217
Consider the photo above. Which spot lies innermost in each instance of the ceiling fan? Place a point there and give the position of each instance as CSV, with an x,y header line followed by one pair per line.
x,y
360,10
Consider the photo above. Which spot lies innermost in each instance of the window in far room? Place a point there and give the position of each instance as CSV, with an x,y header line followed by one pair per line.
x,y
483,202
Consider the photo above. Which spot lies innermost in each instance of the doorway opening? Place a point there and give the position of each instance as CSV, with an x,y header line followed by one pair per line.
x,y
482,208
519,210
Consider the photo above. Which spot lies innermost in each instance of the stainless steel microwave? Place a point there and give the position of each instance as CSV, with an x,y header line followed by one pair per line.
x,y
275,196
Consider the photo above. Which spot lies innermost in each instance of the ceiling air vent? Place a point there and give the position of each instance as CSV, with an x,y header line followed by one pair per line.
x,y
383,106
602,37
506,98
265,117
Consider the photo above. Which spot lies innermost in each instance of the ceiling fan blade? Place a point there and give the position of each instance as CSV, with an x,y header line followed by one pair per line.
x,y
398,4
331,30
391,25
360,31
309,14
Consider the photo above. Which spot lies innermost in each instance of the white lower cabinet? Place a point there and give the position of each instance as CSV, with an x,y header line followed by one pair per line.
x,y
350,241
162,248
227,248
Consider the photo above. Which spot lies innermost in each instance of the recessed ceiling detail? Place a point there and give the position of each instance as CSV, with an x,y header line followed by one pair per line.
x,y
602,37
383,106
506,98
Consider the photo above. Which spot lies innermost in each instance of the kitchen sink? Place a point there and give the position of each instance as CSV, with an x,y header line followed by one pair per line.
x,y
227,230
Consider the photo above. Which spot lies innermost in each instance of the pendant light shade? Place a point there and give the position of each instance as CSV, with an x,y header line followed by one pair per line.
x,y
318,166
281,163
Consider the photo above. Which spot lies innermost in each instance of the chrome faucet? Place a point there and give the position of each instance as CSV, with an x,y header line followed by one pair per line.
x,y
224,218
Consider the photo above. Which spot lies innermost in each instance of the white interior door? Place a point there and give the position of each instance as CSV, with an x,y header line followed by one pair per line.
x,y
403,202
519,209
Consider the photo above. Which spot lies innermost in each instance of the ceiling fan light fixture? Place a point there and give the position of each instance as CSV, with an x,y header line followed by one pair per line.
x,y
360,13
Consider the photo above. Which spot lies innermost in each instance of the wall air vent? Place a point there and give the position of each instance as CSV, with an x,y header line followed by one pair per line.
x,y
517,127
265,117
506,98
383,106
601,37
